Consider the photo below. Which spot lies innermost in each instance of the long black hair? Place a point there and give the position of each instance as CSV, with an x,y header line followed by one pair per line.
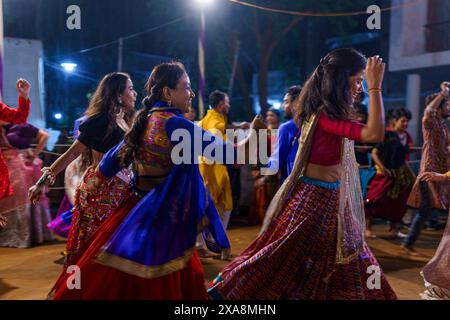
x,y
106,100
329,86
166,74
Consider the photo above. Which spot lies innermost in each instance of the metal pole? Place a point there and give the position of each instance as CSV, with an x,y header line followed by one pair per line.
x,y
201,65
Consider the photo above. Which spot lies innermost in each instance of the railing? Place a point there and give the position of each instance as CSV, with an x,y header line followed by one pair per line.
x,y
357,148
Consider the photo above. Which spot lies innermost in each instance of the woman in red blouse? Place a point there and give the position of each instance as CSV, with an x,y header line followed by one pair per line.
x,y
15,116
312,244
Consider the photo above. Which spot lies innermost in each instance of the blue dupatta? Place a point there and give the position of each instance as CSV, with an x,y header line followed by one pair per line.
x,y
158,236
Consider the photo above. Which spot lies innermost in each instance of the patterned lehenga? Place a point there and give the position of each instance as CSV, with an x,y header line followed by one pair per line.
x,y
146,248
311,245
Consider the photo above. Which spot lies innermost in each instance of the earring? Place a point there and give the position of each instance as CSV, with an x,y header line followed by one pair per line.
x,y
169,103
120,101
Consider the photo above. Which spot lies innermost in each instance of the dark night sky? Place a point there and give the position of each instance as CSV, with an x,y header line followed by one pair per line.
x,y
106,20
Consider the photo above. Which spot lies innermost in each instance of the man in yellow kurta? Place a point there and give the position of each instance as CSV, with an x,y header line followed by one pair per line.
x,y
215,175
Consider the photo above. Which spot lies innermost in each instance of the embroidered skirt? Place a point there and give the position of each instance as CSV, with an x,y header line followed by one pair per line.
x,y
99,281
91,210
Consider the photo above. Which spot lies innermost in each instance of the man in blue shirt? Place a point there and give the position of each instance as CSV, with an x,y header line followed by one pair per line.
x,y
283,156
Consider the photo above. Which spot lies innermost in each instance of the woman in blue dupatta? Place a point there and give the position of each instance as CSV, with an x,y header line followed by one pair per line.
x,y
146,249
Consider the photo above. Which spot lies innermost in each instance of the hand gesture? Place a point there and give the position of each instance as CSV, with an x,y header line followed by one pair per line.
x,y
258,123
445,87
34,193
386,172
23,88
433,176
375,72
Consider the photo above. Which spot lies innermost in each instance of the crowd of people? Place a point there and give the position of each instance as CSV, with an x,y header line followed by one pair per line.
x,y
137,221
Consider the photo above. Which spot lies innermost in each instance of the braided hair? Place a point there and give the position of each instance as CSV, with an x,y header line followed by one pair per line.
x,y
166,74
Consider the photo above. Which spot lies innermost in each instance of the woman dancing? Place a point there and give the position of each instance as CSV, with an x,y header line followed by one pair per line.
x,y
108,118
18,116
26,222
312,244
146,249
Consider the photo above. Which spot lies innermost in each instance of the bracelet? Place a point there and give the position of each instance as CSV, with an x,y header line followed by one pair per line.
x,y
50,174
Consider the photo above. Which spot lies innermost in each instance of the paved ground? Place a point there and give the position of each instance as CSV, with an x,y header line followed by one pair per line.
x,y
30,273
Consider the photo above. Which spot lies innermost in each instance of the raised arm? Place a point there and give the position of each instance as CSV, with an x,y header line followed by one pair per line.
x,y
19,115
435,103
374,130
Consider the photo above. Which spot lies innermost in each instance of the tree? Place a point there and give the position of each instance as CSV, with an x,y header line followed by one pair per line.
x,y
269,29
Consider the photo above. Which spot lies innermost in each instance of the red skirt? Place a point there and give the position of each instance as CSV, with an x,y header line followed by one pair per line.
x,y
6,189
100,282
91,210
380,205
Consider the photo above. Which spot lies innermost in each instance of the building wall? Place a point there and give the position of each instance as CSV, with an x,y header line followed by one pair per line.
x,y
23,58
412,56
408,49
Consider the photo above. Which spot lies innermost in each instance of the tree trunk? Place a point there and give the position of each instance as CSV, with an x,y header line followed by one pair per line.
x,y
268,45
262,80
244,90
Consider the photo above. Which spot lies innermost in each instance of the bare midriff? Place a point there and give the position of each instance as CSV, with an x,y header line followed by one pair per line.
x,y
150,176
323,173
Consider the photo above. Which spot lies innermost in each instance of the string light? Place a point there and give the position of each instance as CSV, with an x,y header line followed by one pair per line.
x,y
320,14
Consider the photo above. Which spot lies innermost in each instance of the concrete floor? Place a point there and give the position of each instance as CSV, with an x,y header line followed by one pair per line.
x,y
30,273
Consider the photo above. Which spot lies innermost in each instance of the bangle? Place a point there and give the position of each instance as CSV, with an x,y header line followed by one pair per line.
x,y
375,89
50,174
